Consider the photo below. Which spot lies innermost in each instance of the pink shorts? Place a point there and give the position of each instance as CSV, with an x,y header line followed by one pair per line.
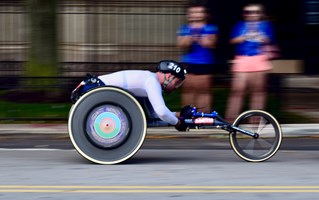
x,y
251,63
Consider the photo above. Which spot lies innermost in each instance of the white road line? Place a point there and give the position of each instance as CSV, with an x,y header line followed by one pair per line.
x,y
34,149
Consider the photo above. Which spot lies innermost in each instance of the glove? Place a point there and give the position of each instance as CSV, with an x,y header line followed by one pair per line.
x,y
181,126
186,112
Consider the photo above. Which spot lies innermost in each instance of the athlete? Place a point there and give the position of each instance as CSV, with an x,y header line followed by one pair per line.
x,y
169,76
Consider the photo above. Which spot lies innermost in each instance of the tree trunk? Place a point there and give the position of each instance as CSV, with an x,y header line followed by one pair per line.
x,y
42,57
42,64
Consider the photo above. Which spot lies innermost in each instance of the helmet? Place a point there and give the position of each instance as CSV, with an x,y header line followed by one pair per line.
x,y
173,67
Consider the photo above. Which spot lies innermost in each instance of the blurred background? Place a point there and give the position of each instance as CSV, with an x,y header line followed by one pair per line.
x,y
48,46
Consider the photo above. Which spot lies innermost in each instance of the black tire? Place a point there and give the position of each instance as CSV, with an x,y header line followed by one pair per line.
x,y
107,125
256,149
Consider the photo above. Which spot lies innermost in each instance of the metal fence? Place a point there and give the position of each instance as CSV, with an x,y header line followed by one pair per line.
x,y
97,36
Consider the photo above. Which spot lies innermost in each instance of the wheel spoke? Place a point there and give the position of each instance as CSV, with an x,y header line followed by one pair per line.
x,y
264,143
262,124
267,131
250,144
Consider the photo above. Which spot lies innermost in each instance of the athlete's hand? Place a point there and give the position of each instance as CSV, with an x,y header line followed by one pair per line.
x,y
181,125
186,112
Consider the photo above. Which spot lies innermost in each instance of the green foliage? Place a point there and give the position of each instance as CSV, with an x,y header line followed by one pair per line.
x,y
34,111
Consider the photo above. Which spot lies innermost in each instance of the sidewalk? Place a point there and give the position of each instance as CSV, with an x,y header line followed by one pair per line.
x,y
289,130
301,95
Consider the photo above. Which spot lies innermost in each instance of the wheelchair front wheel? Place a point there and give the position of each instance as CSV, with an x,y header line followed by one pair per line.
x,y
256,149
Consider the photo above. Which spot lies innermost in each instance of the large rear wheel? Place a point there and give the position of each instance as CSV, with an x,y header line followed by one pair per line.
x,y
107,125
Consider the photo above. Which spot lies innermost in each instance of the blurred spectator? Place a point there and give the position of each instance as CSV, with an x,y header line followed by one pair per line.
x,y
198,38
251,65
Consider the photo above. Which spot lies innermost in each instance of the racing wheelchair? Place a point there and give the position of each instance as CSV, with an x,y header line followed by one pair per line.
x,y
107,125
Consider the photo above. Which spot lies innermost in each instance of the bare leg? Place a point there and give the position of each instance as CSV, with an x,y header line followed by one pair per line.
x,y
237,94
187,95
258,94
203,98
196,91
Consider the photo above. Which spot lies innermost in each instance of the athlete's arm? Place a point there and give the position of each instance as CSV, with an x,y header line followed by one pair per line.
x,y
154,93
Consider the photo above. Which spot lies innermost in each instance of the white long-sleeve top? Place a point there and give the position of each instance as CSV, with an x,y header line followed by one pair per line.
x,y
142,84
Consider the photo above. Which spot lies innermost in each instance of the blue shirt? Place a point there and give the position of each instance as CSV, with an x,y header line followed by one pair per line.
x,y
252,47
198,54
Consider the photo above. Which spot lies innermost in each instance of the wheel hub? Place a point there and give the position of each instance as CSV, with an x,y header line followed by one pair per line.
x,y
107,126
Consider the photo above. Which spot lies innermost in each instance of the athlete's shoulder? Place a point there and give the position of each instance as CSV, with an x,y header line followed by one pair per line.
x,y
150,78
140,75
